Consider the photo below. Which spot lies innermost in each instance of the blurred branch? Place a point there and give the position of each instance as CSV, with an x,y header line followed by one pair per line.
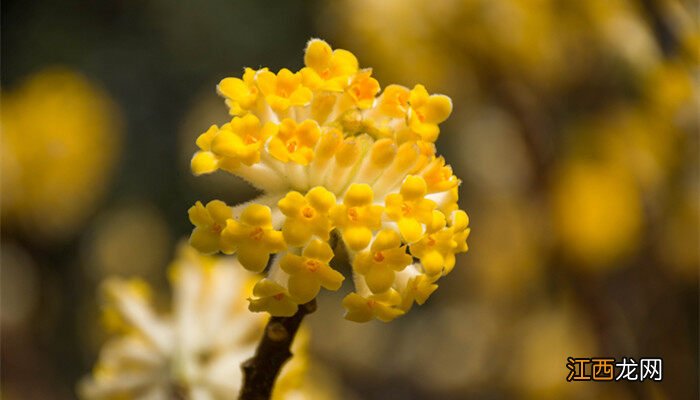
x,y
260,372
664,33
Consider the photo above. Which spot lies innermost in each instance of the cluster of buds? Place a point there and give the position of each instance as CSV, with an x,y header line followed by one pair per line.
x,y
340,165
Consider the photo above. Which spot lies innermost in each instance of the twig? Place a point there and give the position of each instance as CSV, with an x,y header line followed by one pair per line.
x,y
260,372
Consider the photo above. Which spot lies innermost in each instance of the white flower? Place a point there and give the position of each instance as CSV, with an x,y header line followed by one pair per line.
x,y
196,351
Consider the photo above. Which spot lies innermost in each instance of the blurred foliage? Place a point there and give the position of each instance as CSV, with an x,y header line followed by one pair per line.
x,y
575,129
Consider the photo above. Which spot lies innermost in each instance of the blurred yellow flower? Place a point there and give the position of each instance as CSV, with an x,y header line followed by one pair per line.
x,y
597,212
196,350
60,140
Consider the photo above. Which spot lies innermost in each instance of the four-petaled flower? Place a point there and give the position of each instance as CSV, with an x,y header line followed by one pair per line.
x,y
252,237
283,90
385,256
427,111
306,215
381,306
310,271
240,94
410,209
357,216
272,297
327,69
209,222
295,142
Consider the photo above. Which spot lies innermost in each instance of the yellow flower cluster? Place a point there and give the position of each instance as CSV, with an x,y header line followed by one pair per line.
x,y
60,140
195,351
336,159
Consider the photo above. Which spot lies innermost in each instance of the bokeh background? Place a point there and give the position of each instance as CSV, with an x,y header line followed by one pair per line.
x,y
574,131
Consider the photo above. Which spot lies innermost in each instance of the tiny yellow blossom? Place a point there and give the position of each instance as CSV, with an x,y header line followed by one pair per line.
x,y
272,297
394,101
240,94
241,140
209,222
310,271
436,251
328,69
385,256
380,306
252,237
204,161
410,209
357,216
427,111
363,89
306,215
418,289
283,90
438,176
295,142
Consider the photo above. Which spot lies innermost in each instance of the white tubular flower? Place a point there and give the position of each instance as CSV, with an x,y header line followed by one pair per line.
x,y
196,351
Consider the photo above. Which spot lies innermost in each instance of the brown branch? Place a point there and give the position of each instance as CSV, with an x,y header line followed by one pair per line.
x,y
260,372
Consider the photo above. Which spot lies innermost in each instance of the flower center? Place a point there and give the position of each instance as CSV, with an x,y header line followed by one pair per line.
x,y
256,233
406,209
312,265
216,228
378,257
292,146
353,214
278,296
308,212
431,240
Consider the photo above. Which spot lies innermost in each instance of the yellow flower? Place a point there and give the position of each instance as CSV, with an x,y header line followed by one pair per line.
x,y
363,89
204,161
295,142
273,298
252,237
60,139
209,222
357,216
418,289
240,94
394,101
427,111
327,69
380,306
385,256
306,215
283,90
438,176
460,225
410,209
241,140
435,251
310,271
336,159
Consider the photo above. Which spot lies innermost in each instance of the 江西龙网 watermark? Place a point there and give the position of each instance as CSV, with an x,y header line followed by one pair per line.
x,y
607,369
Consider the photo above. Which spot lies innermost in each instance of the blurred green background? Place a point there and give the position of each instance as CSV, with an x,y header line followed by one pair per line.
x,y
574,131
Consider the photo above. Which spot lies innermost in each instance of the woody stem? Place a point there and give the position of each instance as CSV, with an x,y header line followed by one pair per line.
x,y
274,350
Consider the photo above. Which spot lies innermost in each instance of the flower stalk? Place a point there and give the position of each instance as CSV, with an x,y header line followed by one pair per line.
x,y
274,350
